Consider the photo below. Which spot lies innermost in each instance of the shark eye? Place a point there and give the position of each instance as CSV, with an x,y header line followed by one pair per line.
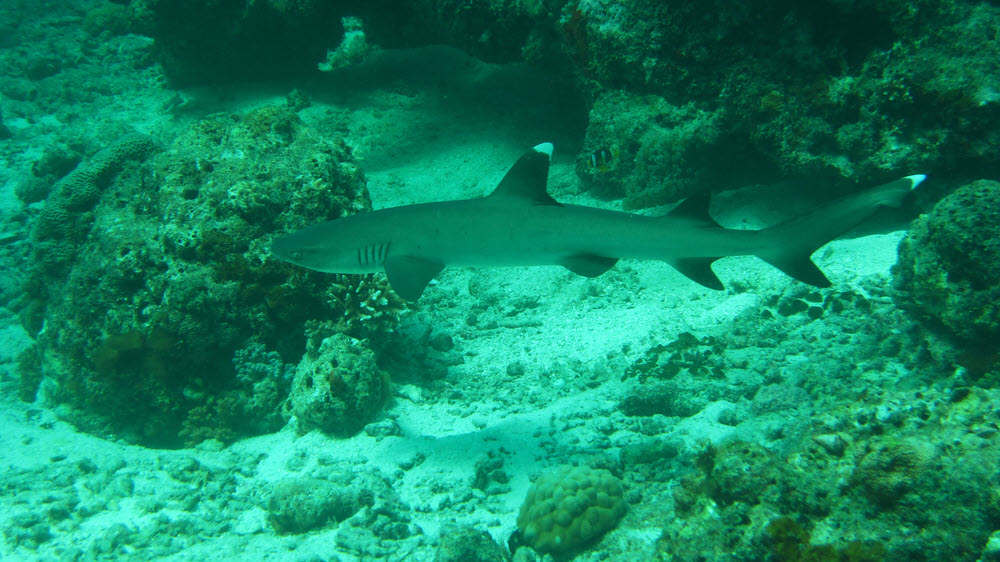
x,y
296,255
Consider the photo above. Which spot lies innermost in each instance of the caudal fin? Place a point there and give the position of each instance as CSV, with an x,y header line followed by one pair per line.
x,y
790,244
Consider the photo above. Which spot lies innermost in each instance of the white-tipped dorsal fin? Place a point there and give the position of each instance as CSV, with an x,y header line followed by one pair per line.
x,y
545,147
526,179
915,180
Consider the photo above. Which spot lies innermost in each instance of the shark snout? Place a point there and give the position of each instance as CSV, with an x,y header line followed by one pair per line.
x,y
286,250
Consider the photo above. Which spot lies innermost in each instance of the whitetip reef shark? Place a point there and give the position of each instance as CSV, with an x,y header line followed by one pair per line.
x,y
519,224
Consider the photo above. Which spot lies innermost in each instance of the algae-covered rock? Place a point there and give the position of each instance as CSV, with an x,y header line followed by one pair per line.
x,y
299,505
490,477
338,388
566,509
949,263
467,544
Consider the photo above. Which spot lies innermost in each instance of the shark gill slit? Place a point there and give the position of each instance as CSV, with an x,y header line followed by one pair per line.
x,y
373,254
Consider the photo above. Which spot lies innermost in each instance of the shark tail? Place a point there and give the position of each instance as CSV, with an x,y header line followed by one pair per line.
x,y
789,245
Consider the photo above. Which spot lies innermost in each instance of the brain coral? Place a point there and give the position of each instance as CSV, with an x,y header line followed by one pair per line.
x,y
570,507
63,218
949,263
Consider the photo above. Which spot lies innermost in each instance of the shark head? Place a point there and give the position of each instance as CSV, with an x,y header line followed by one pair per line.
x,y
330,247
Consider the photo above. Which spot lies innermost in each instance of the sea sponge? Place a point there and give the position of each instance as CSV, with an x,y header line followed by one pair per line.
x,y
570,507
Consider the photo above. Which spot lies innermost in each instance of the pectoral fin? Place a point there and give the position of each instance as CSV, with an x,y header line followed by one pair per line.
x,y
700,271
410,275
588,265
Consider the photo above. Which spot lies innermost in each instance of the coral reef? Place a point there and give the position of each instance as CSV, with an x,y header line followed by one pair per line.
x,y
171,324
54,164
829,106
843,487
790,542
838,93
836,421
786,423
570,507
818,96
889,470
949,264
368,303
746,487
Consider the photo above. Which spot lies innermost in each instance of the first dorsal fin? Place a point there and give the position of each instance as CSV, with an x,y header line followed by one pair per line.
x,y
526,179
695,208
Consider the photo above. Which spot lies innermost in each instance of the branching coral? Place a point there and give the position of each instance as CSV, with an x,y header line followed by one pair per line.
x,y
367,303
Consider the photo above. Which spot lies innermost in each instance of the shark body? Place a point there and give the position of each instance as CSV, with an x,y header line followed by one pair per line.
x,y
519,224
